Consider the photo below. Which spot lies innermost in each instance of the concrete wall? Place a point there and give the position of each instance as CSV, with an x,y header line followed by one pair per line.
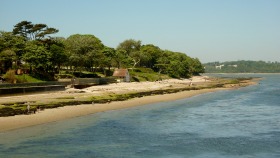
x,y
93,81
81,83
6,89
49,83
23,90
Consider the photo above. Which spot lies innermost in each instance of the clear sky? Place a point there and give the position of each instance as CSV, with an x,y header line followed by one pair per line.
x,y
211,30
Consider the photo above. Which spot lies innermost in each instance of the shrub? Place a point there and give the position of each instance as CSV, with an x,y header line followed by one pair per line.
x,y
63,76
85,75
145,70
10,76
21,79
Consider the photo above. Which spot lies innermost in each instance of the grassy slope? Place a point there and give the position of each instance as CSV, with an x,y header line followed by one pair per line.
x,y
145,74
27,78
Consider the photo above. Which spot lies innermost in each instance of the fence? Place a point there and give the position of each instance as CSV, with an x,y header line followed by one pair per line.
x,y
49,83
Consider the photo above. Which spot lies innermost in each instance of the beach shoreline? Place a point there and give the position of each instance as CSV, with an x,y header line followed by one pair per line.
x,y
67,112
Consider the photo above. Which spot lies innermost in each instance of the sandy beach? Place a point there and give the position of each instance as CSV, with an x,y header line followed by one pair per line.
x,y
66,112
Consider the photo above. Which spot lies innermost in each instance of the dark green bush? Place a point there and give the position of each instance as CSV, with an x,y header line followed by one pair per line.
x,y
85,75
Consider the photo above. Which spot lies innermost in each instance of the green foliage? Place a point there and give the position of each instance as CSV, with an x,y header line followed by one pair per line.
x,y
129,46
150,54
11,50
7,55
57,56
243,67
33,31
21,79
84,51
129,52
28,47
109,58
25,78
178,65
63,76
175,64
144,70
85,75
44,55
146,74
15,109
10,76
37,55
197,66
122,60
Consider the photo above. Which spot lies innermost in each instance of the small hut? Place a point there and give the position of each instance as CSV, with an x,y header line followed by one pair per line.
x,y
122,75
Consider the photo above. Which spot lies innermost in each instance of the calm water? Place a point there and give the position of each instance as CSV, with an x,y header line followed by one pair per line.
x,y
238,123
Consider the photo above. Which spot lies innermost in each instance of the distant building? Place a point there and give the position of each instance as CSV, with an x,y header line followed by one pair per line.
x,y
122,75
232,66
219,67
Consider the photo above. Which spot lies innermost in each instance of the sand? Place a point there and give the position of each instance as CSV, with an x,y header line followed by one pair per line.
x,y
62,113
115,88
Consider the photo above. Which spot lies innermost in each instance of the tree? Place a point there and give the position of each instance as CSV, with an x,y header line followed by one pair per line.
x,y
37,55
58,55
110,55
243,67
7,57
11,43
197,66
178,65
150,54
163,62
33,31
95,60
131,48
122,59
83,50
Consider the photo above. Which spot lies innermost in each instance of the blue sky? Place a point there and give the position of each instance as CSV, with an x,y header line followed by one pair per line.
x,y
211,30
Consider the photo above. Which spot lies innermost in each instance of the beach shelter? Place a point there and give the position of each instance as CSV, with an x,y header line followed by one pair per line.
x,y
122,75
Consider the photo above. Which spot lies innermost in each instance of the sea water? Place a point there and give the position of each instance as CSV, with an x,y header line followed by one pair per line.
x,y
243,123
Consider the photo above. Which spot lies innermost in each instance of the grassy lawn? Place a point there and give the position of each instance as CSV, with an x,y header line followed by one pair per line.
x,y
145,74
27,78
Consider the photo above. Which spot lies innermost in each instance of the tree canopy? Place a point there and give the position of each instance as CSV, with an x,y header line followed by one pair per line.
x,y
31,46
33,31
84,51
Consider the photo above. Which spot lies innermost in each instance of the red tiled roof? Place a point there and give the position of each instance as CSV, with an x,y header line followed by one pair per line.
x,y
120,72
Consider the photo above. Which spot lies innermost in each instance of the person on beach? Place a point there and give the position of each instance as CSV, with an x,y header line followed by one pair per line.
x,y
28,108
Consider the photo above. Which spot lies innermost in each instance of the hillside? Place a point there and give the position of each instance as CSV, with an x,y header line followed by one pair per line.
x,y
242,67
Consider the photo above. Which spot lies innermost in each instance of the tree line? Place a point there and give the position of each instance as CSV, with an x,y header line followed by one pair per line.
x,y
32,46
242,66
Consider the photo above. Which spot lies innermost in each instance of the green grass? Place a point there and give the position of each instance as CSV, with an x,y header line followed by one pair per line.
x,y
16,109
66,98
137,74
25,78
234,81
140,75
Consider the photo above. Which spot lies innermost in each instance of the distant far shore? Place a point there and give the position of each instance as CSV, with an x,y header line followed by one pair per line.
x,y
242,73
200,85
